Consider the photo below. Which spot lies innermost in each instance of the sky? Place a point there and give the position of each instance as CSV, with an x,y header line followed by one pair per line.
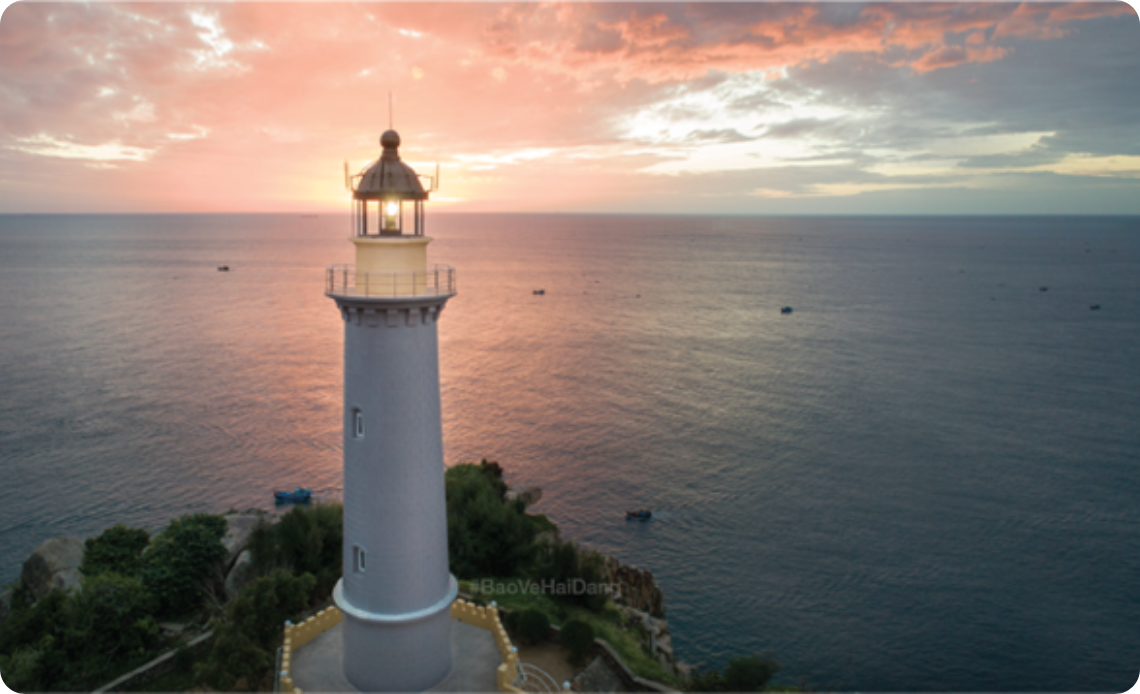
x,y
686,108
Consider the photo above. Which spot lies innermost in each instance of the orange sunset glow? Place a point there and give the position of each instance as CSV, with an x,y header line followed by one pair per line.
x,y
629,107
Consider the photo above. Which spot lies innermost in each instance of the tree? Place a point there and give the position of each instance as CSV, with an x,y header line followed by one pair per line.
x,y
252,628
178,563
308,539
117,550
579,638
532,625
486,537
749,673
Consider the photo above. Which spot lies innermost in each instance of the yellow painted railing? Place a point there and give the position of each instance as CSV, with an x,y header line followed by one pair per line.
x,y
297,635
488,618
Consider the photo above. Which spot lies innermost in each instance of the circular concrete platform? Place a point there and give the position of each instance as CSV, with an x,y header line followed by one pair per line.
x,y
318,665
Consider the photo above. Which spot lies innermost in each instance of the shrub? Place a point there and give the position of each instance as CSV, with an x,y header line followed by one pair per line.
x,y
178,563
579,638
749,673
31,656
485,537
112,616
563,563
307,540
532,626
245,639
79,640
117,550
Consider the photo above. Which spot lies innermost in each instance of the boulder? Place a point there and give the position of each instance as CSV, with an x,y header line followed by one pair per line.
x,y
683,670
54,564
241,526
529,495
241,574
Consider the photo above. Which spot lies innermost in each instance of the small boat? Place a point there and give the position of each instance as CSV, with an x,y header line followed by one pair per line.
x,y
539,292
1042,289
1094,307
298,495
223,268
640,514
786,310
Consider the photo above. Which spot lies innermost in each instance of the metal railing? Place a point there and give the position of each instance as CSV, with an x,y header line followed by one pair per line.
x,y
346,280
534,679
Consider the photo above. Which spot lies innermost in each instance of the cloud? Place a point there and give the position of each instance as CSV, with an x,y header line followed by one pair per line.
x,y
47,146
226,103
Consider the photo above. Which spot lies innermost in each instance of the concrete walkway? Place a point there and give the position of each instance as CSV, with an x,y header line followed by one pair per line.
x,y
318,665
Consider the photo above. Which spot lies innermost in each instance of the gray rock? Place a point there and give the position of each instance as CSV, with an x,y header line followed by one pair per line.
x,y
529,495
241,574
684,670
598,677
54,564
241,526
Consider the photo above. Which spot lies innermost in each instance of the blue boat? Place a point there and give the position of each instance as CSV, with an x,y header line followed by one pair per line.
x,y
640,514
298,495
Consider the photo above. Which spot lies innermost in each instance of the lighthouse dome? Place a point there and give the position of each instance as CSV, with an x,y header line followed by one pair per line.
x,y
388,178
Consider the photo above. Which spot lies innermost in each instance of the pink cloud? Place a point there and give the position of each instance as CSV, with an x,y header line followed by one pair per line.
x,y
246,105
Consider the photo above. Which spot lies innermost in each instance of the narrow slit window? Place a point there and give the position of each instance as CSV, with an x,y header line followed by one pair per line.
x,y
358,424
358,558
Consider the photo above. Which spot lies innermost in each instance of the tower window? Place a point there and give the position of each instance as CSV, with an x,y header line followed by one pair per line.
x,y
358,558
357,424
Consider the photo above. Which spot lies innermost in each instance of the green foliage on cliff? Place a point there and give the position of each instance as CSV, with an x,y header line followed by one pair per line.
x,y
70,641
485,537
307,540
246,637
117,550
178,564
749,673
579,638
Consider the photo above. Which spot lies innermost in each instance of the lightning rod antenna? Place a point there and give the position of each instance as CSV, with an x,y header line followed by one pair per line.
x,y
389,109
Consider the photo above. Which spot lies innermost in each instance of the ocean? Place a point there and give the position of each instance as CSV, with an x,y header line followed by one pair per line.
x,y
924,478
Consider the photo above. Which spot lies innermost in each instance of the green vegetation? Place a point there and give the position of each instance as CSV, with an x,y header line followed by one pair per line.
x,y
249,632
179,561
579,638
71,641
83,639
749,673
307,540
80,640
118,550
529,625
485,537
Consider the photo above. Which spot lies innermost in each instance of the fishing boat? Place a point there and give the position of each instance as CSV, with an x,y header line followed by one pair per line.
x,y
640,514
298,495
786,310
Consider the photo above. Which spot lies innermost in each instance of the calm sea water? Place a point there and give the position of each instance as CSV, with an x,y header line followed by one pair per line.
x,y
925,478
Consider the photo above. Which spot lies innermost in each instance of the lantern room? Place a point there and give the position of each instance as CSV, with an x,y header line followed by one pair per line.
x,y
379,193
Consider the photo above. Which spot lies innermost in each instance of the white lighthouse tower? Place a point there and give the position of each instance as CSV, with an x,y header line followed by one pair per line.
x,y
397,588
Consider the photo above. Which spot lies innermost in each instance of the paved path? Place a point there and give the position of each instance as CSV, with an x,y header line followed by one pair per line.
x,y
317,666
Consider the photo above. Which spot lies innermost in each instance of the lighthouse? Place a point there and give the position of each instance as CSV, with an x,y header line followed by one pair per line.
x,y
397,589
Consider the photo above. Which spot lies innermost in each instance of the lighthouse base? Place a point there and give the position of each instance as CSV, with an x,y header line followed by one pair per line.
x,y
397,652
